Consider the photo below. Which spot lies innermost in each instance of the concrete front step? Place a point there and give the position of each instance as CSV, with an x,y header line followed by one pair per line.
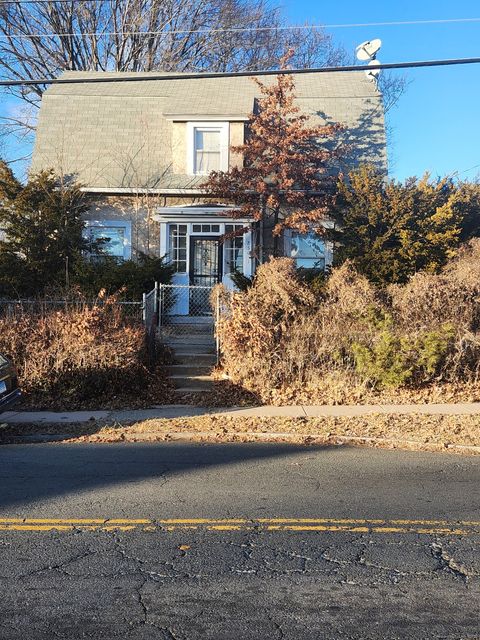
x,y
175,344
183,391
189,369
194,359
200,383
181,340
193,349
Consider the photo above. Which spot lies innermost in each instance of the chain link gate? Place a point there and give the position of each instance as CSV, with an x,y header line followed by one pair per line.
x,y
185,309
180,313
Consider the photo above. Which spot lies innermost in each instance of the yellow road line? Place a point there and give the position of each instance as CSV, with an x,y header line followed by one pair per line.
x,y
353,525
74,521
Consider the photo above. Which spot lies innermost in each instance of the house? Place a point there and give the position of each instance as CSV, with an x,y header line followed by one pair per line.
x,y
141,150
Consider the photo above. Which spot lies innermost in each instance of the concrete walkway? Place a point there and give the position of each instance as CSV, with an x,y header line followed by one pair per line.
x,y
186,411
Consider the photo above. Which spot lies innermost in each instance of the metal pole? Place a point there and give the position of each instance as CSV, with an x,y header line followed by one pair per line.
x,y
144,309
160,304
217,322
155,302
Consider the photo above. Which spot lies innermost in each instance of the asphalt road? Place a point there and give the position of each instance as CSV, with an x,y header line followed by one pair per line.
x,y
237,541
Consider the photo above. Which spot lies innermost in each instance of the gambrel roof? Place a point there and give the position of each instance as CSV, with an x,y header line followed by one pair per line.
x,y
118,135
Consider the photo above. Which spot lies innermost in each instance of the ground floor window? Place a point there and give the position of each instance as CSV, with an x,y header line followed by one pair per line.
x,y
308,250
233,249
114,237
178,247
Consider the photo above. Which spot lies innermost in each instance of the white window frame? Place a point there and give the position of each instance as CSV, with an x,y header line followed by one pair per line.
x,y
228,247
223,128
125,224
328,248
220,231
171,260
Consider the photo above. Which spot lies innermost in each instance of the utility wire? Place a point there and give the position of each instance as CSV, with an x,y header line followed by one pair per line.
x,y
26,36
459,173
48,1
237,74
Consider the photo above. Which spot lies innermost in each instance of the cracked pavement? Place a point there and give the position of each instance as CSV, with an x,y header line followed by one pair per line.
x,y
188,584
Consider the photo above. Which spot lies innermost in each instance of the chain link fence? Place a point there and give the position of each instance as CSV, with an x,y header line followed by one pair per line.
x,y
132,310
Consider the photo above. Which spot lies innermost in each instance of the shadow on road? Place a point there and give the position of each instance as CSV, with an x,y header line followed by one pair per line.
x,y
37,472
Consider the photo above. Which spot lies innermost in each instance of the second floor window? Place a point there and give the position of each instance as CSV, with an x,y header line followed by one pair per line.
x,y
208,149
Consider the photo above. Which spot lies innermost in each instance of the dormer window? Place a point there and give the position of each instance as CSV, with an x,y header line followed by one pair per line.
x,y
207,147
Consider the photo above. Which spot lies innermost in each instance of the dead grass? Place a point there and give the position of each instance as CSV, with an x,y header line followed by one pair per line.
x,y
457,434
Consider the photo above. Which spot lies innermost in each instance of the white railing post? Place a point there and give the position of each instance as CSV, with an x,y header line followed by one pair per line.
x,y
217,322
144,309
155,302
160,304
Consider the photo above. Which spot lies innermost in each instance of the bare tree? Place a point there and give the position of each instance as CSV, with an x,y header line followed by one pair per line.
x,y
44,39
146,35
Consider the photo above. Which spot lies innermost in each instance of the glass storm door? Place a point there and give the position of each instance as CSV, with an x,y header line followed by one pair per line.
x,y
205,271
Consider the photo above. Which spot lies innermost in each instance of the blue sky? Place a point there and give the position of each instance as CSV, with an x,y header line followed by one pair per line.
x,y
435,126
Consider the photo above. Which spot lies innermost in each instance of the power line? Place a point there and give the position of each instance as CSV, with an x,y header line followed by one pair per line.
x,y
26,36
239,74
48,1
459,173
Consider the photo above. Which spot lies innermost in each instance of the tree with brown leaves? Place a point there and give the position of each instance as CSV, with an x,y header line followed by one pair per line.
x,y
286,180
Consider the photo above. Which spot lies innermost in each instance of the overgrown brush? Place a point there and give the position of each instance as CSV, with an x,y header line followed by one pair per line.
x,y
83,353
278,339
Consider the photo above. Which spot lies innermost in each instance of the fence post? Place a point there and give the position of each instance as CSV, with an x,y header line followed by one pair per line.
x,y
155,305
144,308
155,302
160,304
217,321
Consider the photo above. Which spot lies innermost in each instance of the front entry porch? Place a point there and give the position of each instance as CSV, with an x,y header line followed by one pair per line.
x,y
199,242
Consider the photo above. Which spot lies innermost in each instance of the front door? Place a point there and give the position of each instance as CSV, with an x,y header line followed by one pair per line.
x,y
205,271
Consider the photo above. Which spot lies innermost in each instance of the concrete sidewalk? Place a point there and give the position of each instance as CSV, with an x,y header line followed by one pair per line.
x,y
186,411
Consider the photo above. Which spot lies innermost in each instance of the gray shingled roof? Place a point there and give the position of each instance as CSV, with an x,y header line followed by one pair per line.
x,y
117,135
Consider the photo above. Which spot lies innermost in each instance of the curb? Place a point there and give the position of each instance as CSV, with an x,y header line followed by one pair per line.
x,y
273,437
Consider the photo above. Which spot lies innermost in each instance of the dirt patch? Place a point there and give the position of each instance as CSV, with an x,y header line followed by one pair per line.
x,y
459,434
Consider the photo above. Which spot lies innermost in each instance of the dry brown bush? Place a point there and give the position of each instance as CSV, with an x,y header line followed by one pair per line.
x,y
452,296
253,331
284,346
451,299
80,353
